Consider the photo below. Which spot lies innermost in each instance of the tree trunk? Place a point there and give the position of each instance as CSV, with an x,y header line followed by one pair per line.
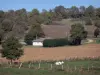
x,y
10,63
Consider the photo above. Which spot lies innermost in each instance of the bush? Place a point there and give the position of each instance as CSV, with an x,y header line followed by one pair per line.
x,y
76,41
88,21
29,42
98,41
55,42
96,32
97,23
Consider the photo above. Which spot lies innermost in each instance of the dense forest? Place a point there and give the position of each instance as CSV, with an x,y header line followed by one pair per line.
x,y
22,23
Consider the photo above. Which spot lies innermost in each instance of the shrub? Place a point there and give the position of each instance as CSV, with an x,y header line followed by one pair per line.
x,y
76,41
29,42
96,32
97,23
55,42
88,21
98,41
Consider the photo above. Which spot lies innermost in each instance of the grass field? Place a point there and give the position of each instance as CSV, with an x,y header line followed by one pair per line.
x,y
71,64
14,71
56,70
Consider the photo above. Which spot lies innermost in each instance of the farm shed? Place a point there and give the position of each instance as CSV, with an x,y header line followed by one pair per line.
x,y
39,42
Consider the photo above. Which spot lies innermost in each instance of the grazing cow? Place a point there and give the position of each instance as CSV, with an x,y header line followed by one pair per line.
x,y
59,63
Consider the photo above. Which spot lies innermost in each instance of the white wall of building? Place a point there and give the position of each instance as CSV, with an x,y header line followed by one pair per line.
x,y
40,44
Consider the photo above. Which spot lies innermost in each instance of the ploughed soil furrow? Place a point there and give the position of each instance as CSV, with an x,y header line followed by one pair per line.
x,y
60,53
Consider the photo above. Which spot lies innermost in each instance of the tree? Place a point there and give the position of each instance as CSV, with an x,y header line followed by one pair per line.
x,y
20,23
97,23
77,33
35,17
11,49
34,33
98,12
35,12
47,17
88,21
96,32
90,11
1,35
29,38
60,11
1,15
74,12
7,25
82,11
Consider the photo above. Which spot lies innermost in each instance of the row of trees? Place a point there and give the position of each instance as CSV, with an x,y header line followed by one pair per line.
x,y
13,24
19,22
60,12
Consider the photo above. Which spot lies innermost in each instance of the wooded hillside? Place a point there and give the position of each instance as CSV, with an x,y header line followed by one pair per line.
x,y
22,23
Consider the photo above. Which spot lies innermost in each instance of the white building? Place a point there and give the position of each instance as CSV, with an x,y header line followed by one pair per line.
x,y
39,42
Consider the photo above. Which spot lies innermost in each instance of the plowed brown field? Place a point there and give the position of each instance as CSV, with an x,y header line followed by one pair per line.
x,y
59,53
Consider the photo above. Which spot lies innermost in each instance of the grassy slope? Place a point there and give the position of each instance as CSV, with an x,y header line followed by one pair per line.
x,y
55,71
15,71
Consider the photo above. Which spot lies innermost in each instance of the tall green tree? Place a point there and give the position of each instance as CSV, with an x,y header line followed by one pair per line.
x,y
47,16
60,11
98,12
34,33
90,11
12,49
7,25
35,12
96,32
20,23
97,23
74,12
1,35
35,30
82,11
2,15
35,17
77,33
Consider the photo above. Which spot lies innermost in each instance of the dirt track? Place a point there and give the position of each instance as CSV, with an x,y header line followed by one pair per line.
x,y
61,52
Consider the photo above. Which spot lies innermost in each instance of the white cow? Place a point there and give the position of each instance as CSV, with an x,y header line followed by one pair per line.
x,y
59,63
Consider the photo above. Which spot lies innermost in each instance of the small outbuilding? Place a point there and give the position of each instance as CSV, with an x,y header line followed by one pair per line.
x,y
39,42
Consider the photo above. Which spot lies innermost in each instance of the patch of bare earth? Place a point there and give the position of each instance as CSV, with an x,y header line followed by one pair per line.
x,y
60,53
